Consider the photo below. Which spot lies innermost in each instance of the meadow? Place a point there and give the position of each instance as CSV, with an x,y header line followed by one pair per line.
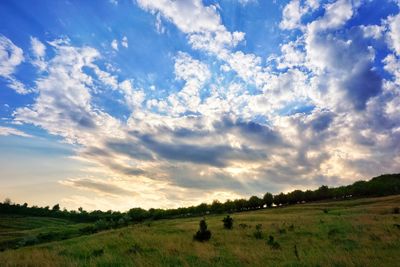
x,y
362,232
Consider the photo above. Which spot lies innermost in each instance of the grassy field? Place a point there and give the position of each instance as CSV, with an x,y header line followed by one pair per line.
x,y
362,232
17,231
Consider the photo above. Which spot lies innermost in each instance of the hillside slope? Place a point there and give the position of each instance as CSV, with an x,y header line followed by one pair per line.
x,y
363,232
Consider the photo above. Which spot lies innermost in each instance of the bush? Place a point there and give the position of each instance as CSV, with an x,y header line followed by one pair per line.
x,y
228,222
28,241
87,230
203,234
135,248
258,234
282,230
396,210
272,243
101,225
97,252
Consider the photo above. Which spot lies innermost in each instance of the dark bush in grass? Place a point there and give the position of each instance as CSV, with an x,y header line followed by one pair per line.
x,y
97,252
296,252
396,210
325,210
282,230
135,248
258,234
291,227
50,236
28,241
228,222
203,234
101,225
333,232
272,243
87,230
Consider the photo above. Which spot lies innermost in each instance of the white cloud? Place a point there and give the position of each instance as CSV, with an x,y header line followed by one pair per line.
x,y
195,74
292,14
336,15
63,106
133,97
39,51
189,16
124,42
38,48
292,56
247,2
373,31
159,26
392,65
5,131
10,56
201,23
393,36
114,45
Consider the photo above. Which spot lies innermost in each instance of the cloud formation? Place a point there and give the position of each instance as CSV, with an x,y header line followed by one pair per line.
x,y
323,109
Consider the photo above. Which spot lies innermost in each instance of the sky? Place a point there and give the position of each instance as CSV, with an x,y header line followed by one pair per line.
x,y
167,103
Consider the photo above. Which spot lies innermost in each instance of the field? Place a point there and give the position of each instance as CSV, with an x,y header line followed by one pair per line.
x,y
16,231
363,232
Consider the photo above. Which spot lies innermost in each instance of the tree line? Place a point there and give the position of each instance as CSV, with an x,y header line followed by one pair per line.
x,y
388,184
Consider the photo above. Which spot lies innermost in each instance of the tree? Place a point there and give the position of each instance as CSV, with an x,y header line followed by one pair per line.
x,y
254,202
56,207
228,222
268,199
216,206
229,206
203,234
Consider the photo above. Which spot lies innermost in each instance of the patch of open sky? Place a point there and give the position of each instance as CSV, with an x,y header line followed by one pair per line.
x,y
45,145
295,108
372,12
260,23
10,100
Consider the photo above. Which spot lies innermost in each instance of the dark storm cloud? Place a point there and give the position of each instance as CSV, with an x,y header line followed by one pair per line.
x,y
250,130
217,155
361,85
129,148
322,122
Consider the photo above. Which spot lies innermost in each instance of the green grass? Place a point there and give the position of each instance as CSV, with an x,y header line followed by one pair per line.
x,y
352,233
17,230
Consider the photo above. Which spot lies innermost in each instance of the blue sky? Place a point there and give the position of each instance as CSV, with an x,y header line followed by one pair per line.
x,y
161,103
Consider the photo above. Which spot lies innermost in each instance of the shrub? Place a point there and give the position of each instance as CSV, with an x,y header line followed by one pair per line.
x,y
135,248
28,241
98,252
396,210
296,252
228,222
45,237
258,234
87,230
203,234
272,243
101,225
325,210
